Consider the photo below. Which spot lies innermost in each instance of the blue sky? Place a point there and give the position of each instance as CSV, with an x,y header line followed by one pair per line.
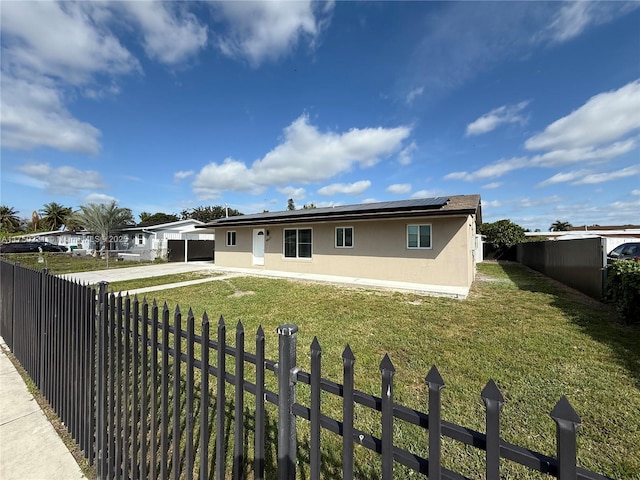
x,y
167,106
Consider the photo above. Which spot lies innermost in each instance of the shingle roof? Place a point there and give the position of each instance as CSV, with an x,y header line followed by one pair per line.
x,y
453,205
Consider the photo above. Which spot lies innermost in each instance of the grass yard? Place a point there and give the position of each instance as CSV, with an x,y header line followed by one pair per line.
x,y
61,263
126,285
537,339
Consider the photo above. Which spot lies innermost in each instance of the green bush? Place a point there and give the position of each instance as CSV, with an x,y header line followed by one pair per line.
x,y
623,288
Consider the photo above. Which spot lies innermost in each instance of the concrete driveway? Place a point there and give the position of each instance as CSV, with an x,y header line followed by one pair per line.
x,y
143,271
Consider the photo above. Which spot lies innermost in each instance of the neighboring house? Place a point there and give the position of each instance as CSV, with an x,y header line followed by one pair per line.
x,y
178,241
612,235
427,241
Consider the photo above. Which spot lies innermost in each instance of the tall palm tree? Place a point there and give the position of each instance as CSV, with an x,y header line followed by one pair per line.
x,y
54,215
560,226
104,220
9,221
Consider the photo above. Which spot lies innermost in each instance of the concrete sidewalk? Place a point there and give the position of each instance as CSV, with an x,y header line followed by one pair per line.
x,y
30,448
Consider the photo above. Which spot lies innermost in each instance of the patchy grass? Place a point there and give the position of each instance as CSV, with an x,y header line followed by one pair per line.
x,y
61,263
536,338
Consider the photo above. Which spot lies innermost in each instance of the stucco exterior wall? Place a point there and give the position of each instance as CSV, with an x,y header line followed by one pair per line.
x,y
379,251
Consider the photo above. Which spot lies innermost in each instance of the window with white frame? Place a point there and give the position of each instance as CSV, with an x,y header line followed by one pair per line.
x,y
419,236
140,239
344,237
297,243
231,239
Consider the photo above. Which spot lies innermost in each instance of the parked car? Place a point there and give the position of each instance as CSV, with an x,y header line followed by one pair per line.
x,y
31,247
626,251
18,247
50,247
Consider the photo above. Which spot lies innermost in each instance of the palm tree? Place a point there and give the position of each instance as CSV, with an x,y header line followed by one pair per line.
x,y
104,220
560,226
54,215
9,221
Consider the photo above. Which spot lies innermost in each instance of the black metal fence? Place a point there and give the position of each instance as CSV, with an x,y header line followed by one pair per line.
x,y
143,398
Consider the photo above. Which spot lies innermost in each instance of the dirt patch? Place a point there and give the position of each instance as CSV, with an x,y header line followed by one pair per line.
x,y
241,294
236,292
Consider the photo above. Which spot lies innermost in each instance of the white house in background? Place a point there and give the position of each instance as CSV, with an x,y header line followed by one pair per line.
x,y
178,241
613,236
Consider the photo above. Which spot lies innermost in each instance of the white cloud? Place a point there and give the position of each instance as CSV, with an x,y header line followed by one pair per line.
x,y
607,177
491,203
355,188
399,188
61,40
63,180
34,115
171,33
596,132
182,174
262,31
292,192
586,154
574,17
425,194
536,202
406,154
413,94
564,177
493,170
370,200
463,39
496,117
492,185
99,198
604,118
305,155
54,51
635,192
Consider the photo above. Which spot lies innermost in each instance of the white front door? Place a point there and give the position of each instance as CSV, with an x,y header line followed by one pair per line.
x,y
258,246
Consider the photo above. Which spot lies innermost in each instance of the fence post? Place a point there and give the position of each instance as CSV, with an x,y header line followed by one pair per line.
x,y
436,384
493,401
42,331
287,371
387,370
567,421
13,309
100,379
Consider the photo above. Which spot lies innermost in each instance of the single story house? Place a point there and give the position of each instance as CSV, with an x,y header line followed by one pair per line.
x,y
177,241
427,241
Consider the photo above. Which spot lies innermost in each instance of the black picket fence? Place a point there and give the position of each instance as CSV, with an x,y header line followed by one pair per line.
x,y
144,398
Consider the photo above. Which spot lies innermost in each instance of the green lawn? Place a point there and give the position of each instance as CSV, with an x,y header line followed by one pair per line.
x,y
537,339
61,263
126,285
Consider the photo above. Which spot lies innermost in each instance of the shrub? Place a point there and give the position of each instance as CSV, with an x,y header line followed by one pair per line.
x,y
623,288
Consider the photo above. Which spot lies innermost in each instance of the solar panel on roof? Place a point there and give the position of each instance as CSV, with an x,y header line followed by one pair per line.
x,y
435,202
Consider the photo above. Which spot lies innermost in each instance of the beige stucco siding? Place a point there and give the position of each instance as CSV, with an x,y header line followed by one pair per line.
x,y
379,251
